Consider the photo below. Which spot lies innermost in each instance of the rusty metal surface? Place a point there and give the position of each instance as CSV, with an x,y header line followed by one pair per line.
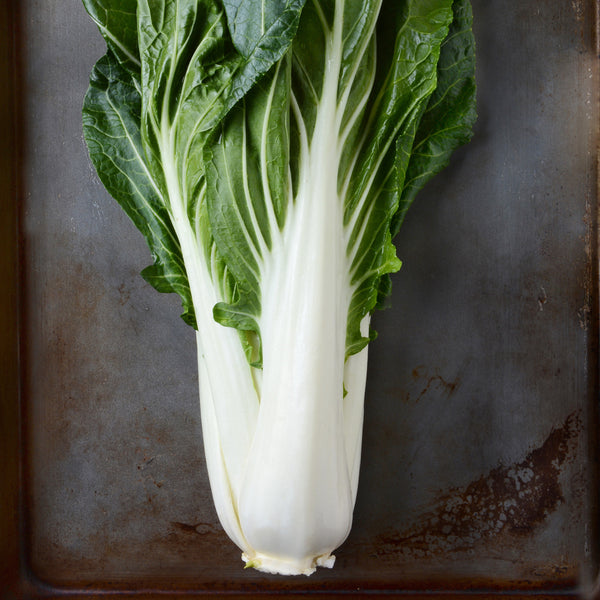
x,y
479,463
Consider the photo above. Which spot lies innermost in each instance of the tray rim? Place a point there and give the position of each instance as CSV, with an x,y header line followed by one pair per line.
x,y
11,552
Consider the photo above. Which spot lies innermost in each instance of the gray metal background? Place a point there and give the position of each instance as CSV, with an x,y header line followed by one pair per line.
x,y
480,409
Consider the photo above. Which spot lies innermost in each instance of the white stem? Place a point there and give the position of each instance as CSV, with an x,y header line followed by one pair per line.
x,y
296,498
230,398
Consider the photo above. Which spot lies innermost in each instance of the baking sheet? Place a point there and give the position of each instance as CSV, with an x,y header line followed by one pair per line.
x,y
479,463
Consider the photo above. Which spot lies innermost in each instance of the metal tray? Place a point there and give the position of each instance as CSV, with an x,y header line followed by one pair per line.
x,y
479,472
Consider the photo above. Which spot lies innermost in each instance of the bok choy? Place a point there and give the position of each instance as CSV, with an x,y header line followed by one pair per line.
x,y
268,152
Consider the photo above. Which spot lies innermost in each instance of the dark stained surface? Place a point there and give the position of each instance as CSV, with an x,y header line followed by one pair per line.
x,y
511,500
479,462
9,376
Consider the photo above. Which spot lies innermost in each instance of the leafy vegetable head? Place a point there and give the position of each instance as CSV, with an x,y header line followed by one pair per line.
x,y
268,152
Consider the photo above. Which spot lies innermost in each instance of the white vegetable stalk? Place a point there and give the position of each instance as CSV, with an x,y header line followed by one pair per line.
x,y
283,460
284,470
291,503
295,505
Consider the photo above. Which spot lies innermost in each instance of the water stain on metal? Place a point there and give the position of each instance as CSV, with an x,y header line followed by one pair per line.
x,y
432,382
196,528
124,294
513,499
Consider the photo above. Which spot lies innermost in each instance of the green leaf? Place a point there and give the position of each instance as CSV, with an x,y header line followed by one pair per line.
x,y
409,37
207,120
191,78
258,27
117,22
370,69
169,78
450,115
111,115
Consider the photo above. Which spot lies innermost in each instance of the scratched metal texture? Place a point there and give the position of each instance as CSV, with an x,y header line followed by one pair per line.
x,y
479,468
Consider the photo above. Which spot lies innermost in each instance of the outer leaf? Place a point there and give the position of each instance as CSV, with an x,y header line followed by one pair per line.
x,y
402,89
111,116
448,121
117,22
